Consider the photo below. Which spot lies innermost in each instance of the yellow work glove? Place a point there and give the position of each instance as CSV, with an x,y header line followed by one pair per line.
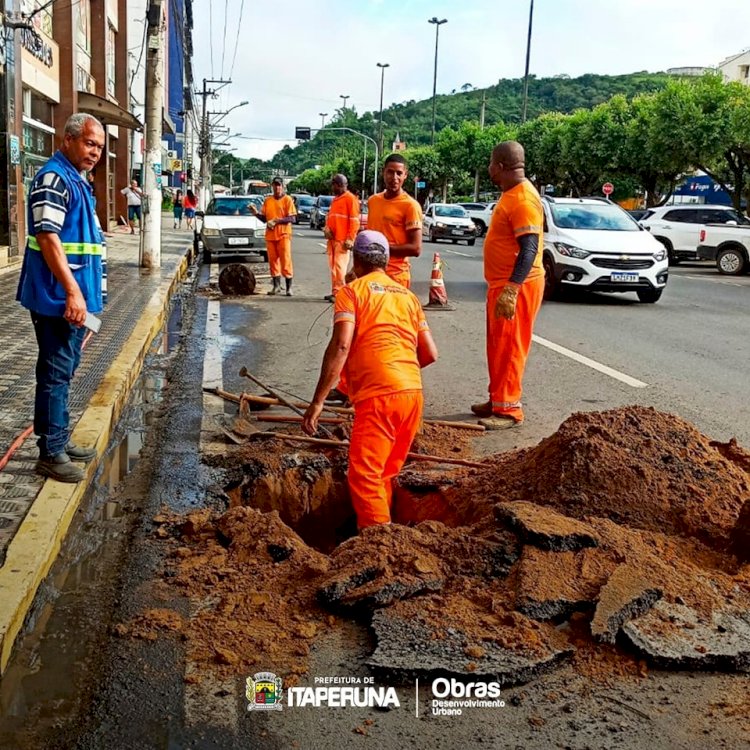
x,y
271,223
348,244
505,307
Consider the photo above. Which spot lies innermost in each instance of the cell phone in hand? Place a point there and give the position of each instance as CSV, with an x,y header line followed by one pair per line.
x,y
92,322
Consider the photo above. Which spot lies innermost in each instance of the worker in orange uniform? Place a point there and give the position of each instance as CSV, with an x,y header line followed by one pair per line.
x,y
513,270
380,337
340,230
399,217
278,213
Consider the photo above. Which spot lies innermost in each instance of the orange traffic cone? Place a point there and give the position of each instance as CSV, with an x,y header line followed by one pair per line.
x,y
438,299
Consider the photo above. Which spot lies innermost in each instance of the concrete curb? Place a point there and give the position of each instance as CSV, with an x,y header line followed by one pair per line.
x,y
37,542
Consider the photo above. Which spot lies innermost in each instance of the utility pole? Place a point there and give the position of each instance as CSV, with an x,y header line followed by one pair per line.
x,y
323,116
528,59
204,144
438,24
481,127
151,209
382,67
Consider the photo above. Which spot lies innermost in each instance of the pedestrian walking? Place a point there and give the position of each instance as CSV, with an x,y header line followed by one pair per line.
x,y
279,214
189,204
342,225
515,277
177,210
399,217
381,340
61,281
134,196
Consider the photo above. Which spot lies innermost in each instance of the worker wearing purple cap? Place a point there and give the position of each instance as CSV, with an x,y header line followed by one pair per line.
x,y
381,341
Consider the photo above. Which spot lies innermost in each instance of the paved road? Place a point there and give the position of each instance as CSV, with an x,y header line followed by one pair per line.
x,y
78,686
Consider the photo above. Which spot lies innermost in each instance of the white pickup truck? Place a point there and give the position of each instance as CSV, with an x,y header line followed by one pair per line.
x,y
480,213
728,246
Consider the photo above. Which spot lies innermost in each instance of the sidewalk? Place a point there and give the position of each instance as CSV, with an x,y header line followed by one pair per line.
x,y
34,512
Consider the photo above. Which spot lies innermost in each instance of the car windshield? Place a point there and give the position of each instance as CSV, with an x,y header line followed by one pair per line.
x,y
305,201
738,217
605,217
456,211
230,207
325,200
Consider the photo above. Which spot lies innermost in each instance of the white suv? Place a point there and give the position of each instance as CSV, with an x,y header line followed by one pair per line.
x,y
678,227
594,245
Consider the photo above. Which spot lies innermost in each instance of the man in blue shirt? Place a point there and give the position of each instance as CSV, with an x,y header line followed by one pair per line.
x,y
61,280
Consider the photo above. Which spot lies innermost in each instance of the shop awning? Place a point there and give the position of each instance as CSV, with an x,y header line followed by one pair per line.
x,y
107,112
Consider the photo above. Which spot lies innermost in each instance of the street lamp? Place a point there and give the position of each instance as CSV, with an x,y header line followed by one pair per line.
x,y
224,114
528,57
382,67
341,96
437,23
323,116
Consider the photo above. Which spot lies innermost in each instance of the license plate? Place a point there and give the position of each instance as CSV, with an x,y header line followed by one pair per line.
x,y
457,231
622,276
237,240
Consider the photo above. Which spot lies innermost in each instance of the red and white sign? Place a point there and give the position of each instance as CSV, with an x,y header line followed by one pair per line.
x,y
608,188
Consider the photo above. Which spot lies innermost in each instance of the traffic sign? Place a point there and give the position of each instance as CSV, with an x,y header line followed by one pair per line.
x,y
421,184
608,188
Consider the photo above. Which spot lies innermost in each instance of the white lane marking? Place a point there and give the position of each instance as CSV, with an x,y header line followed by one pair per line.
x,y
708,278
458,252
323,244
593,364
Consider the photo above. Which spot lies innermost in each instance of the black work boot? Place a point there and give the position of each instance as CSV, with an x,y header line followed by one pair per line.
x,y
288,287
60,467
79,453
276,289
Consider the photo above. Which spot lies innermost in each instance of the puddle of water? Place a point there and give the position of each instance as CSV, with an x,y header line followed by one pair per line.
x,y
169,337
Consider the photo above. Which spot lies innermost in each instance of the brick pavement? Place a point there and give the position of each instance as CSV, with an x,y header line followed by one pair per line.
x,y
130,289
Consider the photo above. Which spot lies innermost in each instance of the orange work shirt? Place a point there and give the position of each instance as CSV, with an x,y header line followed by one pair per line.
x,y
387,321
278,208
343,217
518,212
394,217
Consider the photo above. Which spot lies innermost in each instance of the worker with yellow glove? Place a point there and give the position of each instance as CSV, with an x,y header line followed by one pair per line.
x,y
340,230
513,270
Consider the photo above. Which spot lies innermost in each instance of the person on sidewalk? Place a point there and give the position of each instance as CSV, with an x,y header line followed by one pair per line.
x,y
189,203
381,338
61,280
340,230
398,216
279,214
515,276
134,196
177,210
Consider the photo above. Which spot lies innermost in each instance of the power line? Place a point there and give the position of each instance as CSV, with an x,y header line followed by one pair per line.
x,y
237,40
224,40
211,33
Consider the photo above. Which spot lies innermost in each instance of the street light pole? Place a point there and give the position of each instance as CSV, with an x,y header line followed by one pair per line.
x,y
437,23
341,96
528,58
382,67
323,116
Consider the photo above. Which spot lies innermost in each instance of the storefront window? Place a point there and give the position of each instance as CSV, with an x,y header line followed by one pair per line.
x,y
110,61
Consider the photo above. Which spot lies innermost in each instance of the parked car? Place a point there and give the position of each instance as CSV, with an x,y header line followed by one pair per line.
x,y
678,227
728,246
319,211
363,211
480,214
229,228
303,203
592,244
449,221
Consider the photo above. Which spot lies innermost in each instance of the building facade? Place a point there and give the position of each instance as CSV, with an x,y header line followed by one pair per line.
x,y
737,67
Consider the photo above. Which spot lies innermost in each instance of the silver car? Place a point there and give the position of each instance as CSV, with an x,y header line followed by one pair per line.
x,y
229,228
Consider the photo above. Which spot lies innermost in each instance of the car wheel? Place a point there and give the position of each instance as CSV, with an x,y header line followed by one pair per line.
x,y
649,295
432,235
673,259
312,223
481,227
551,284
206,254
471,242
731,261
264,255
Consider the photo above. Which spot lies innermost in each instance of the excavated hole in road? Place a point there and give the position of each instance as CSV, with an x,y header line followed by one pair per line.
x,y
628,525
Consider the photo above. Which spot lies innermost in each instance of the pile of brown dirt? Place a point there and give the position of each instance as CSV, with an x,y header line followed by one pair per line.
x,y
627,496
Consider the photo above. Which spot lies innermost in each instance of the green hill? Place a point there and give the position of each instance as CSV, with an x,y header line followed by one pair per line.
x,y
412,120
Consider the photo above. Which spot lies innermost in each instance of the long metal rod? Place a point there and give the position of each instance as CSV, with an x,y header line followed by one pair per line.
x,y
528,59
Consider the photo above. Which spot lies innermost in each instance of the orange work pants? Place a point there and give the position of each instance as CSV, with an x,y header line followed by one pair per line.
x,y
402,277
383,430
508,344
280,257
338,262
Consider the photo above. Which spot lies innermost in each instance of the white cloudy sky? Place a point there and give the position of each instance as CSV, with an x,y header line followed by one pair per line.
x,y
295,57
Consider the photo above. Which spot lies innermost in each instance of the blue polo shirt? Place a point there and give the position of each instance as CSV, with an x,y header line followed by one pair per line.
x,y
62,202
